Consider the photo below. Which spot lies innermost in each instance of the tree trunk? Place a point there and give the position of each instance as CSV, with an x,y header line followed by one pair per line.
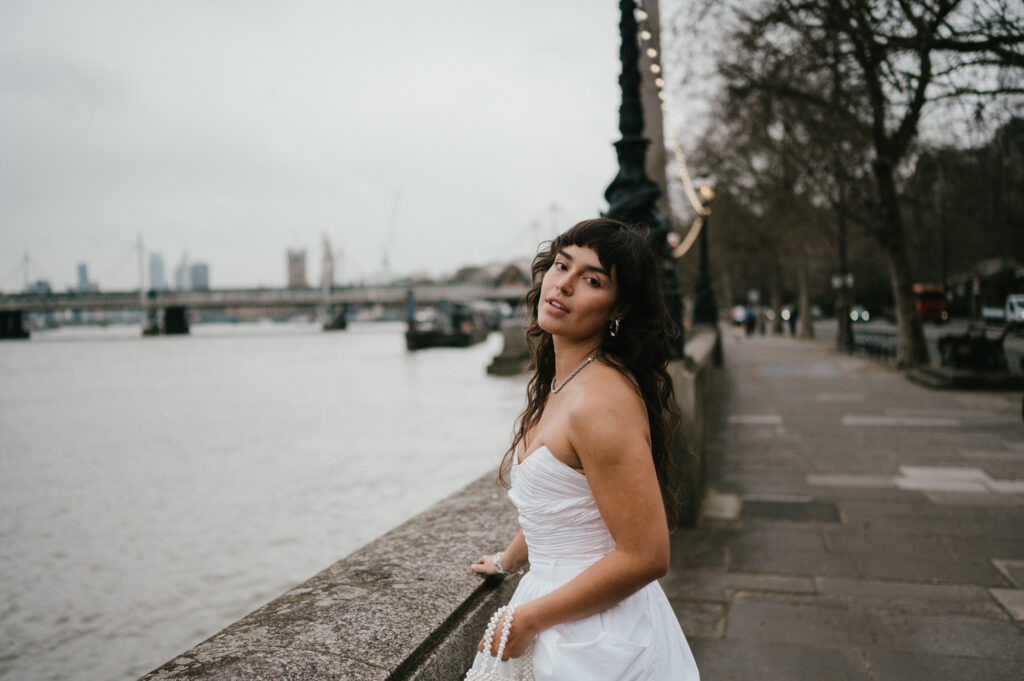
x,y
913,350
844,337
777,296
806,319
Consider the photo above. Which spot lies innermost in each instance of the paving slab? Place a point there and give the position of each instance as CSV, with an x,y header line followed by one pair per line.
x,y
956,635
700,586
1012,600
1000,551
752,618
805,563
1013,570
701,620
976,499
917,572
778,537
887,665
740,660
796,510
908,597
860,542
981,604
929,570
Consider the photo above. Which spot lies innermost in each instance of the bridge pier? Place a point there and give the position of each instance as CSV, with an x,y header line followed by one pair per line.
x,y
12,325
175,320
170,321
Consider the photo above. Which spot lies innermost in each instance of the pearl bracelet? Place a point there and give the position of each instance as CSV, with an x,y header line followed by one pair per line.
x,y
497,565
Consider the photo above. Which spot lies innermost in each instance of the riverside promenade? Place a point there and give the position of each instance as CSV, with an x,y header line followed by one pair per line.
x,y
857,526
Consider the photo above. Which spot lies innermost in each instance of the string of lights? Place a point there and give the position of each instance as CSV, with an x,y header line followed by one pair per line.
x,y
677,150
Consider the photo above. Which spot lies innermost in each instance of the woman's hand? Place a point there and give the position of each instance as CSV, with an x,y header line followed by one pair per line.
x,y
484,565
512,559
520,636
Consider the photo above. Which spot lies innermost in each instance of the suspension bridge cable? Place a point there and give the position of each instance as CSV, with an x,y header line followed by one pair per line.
x,y
122,258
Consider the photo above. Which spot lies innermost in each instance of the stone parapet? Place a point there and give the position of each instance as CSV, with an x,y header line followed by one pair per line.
x,y
694,388
406,606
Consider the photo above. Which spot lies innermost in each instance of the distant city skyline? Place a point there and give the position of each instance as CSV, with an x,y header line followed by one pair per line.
x,y
494,124
157,279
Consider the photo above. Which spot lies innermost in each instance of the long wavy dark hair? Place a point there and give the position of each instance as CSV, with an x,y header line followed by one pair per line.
x,y
640,350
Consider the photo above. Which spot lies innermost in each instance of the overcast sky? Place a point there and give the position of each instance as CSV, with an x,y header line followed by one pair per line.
x,y
234,130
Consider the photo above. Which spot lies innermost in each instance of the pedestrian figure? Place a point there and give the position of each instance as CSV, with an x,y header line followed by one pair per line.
x,y
739,317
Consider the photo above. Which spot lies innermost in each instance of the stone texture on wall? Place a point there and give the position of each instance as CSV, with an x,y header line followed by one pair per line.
x,y
405,606
693,383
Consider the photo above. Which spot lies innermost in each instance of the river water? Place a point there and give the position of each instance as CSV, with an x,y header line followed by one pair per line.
x,y
154,490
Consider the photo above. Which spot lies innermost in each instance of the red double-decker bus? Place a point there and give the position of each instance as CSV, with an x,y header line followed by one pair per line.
x,y
930,301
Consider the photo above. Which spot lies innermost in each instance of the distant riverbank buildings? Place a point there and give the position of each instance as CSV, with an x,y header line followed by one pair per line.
x,y
191,276
297,268
157,276
84,285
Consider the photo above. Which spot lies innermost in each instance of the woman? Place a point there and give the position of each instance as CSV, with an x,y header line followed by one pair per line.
x,y
589,464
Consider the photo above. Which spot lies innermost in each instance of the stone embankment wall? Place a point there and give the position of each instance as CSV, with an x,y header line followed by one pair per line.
x,y
406,606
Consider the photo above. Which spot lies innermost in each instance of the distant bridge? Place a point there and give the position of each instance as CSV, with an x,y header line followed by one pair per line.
x,y
255,297
172,304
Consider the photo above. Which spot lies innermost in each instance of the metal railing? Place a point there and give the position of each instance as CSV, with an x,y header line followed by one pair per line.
x,y
876,343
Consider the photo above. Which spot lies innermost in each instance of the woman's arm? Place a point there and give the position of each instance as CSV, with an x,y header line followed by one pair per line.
x,y
608,430
513,558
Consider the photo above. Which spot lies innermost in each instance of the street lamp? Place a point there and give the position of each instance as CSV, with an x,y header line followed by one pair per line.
x,y
632,195
705,310
843,284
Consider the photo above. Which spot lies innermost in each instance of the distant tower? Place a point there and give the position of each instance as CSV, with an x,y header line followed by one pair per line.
x,y
83,276
157,278
297,268
327,267
199,277
181,274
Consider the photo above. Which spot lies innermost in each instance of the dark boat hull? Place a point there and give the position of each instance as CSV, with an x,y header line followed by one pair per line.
x,y
419,340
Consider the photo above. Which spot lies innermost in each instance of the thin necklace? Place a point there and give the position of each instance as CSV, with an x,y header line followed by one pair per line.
x,y
575,371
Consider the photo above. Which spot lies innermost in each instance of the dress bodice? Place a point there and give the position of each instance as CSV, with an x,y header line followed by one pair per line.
x,y
637,639
557,510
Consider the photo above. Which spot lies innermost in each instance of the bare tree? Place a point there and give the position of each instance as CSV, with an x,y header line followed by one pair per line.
x,y
875,68
773,216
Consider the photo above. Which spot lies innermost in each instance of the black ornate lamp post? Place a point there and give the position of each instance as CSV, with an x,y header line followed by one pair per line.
x,y
632,194
705,309
843,283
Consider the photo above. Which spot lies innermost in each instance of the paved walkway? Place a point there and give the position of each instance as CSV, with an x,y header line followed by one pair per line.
x,y
858,526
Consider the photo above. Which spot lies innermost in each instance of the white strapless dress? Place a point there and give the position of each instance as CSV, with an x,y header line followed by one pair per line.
x,y
638,639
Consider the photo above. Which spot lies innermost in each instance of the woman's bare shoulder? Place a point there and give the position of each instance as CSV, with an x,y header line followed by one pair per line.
x,y
607,386
608,407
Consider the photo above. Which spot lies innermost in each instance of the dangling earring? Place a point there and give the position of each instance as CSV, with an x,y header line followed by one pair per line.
x,y
613,328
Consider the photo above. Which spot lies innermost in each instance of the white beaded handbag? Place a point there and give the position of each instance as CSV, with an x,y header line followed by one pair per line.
x,y
493,669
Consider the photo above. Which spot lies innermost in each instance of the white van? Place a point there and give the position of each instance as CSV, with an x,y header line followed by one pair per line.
x,y
1015,309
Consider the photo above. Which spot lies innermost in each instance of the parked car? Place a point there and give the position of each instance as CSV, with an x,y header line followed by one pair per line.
x,y
1010,312
1014,309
